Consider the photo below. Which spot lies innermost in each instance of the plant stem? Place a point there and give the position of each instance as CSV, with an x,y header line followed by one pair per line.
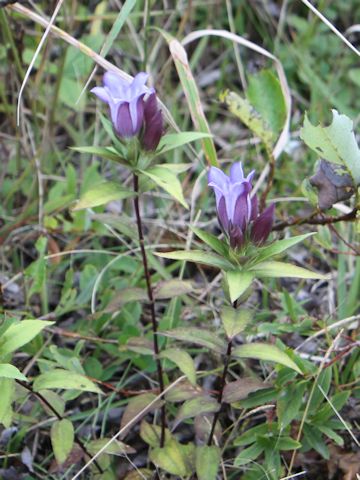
x,y
221,391
152,305
59,417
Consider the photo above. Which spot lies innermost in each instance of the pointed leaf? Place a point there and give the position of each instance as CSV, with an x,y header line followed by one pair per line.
x,y
175,140
172,288
234,320
62,439
141,403
198,256
240,389
238,281
170,458
101,194
105,152
217,245
20,334
263,351
7,389
183,360
64,379
280,269
114,448
196,406
207,462
9,371
198,336
167,180
151,434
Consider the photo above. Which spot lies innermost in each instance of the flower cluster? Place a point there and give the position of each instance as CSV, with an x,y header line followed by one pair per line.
x,y
131,114
237,210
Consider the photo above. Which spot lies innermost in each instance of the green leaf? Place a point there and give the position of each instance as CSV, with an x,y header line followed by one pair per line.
x,y
64,379
240,389
192,95
170,458
217,245
238,281
265,94
335,143
108,153
207,462
20,334
131,294
205,338
248,454
331,434
151,434
140,403
197,256
114,448
234,320
241,108
172,288
9,371
167,180
263,253
196,406
289,403
101,194
280,269
175,140
7,389
62,439
263,351
287,443
183,360
56,401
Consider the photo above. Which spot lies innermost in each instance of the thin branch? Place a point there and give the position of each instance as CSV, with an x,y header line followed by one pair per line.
x,y
313,219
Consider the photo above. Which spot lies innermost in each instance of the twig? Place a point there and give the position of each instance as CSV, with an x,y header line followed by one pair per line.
x,y
59,417
312,219
152,305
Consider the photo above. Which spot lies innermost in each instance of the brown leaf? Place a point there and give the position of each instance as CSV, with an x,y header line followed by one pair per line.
x,y
235,391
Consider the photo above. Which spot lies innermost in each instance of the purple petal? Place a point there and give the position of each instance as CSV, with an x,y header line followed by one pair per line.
x,y
262,225
101,93
136,107
235,191
138,84
222,214
219,182
250,176
254,208
123,124
241,211
236,173
153,121
236,237
115,84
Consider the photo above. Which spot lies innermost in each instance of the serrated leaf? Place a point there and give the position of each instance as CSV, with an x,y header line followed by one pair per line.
x,y
198,336
62,439
64,379
335,143
141,403
238,282
241,108
9,371
278,247
20,334
276,269
167,180
263,351
196,406
197,256
240,389
217,245
183,360
170,458
101,194
174,140
207,462
234,320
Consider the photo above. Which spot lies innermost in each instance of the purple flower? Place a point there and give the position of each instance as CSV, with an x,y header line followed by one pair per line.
x,y
237,210
153,124
126,101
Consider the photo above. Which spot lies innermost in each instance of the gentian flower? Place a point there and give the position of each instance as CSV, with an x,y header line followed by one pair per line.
x,y
129,110
237,211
